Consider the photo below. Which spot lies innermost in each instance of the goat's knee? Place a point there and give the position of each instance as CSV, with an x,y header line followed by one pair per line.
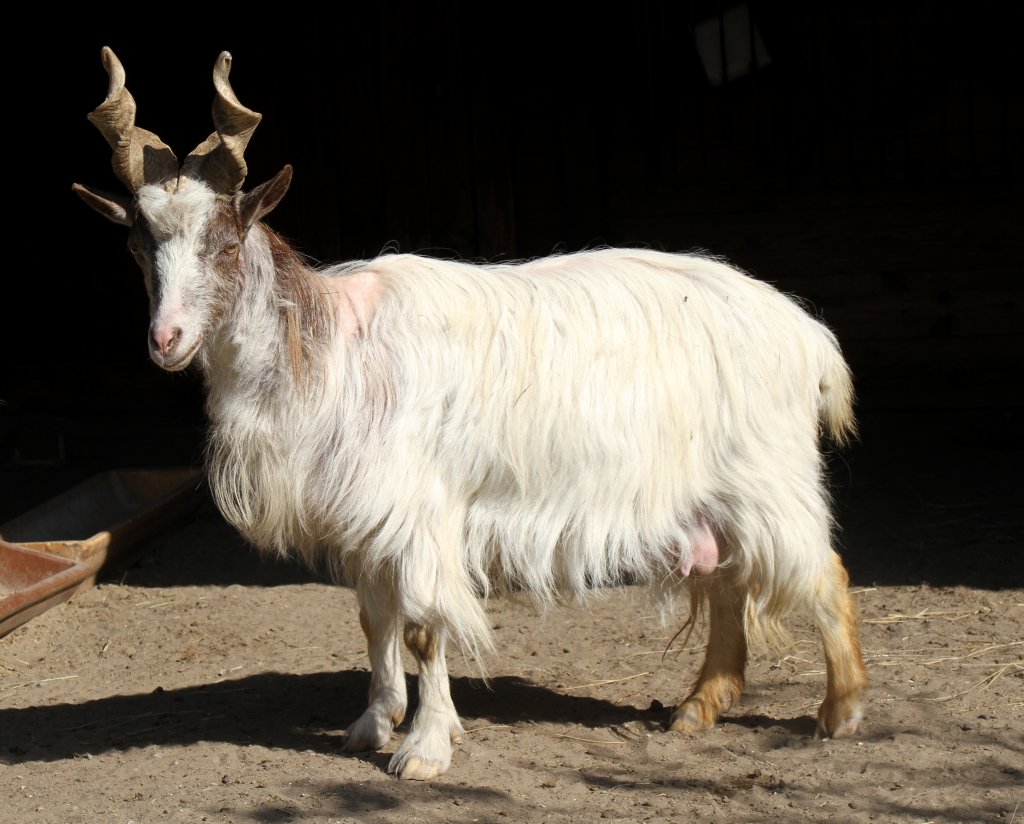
x,y
422,642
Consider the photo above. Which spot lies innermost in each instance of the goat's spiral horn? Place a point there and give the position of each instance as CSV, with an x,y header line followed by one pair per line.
x,y
219,160
139,156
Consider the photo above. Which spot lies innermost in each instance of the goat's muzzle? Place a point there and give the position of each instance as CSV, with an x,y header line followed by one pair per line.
x,y
165,348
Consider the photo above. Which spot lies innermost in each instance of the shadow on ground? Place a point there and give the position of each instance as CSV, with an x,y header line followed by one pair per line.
x,y
272,709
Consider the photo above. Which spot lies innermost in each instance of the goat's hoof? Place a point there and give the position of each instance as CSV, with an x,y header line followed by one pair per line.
x,y
693,716
416,769
840,719
370,731
424,753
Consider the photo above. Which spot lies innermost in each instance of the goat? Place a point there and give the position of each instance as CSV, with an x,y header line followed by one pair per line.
x,y
428,428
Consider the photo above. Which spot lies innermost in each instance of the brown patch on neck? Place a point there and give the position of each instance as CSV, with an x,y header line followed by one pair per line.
x,y
222,228
307,318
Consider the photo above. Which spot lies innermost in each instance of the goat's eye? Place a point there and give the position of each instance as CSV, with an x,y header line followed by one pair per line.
x,y
230,249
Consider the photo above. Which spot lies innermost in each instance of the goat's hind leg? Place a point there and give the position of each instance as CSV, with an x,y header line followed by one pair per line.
x,y
427,749
386,710
842,710
720,683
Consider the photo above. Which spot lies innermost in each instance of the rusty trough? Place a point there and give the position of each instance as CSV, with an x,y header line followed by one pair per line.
x,y
62,546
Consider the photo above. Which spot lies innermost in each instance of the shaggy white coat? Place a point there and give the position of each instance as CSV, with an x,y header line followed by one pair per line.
x,y
562,424
427,428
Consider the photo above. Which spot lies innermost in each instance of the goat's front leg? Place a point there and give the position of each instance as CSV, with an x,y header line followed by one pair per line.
x,y
427,749
386,710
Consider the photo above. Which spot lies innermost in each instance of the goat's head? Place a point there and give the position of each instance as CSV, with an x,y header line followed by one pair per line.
x,y
187,226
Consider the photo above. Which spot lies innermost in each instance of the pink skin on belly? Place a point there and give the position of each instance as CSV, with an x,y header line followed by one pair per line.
x,y
704,559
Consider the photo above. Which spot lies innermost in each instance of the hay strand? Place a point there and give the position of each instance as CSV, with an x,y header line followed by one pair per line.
x,y
591,740
6,687
606,681
923,615
974,654
489,727
984,683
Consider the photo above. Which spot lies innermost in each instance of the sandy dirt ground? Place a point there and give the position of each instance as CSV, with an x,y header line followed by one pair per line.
x,y
206,684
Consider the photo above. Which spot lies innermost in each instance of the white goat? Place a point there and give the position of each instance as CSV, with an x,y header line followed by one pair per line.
x,y
429,426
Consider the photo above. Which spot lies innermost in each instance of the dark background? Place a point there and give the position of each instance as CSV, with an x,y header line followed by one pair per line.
x,y
873,167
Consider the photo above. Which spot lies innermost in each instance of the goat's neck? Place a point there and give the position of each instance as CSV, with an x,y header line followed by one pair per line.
x,y
273,335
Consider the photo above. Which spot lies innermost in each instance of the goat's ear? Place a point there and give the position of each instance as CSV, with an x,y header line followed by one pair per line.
x,y
258,203
113,207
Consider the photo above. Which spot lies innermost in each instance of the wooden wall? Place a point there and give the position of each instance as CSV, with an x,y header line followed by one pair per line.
x,y
873,167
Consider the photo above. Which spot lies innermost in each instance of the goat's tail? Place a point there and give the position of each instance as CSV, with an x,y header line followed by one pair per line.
x,y
836,396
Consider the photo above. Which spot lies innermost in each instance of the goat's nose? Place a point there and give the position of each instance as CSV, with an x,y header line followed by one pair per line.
x,y
165,339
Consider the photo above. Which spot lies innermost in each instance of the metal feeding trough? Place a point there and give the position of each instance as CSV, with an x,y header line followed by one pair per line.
x,y
62,546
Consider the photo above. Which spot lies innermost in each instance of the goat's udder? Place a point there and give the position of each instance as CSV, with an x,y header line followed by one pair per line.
x,y
705,554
